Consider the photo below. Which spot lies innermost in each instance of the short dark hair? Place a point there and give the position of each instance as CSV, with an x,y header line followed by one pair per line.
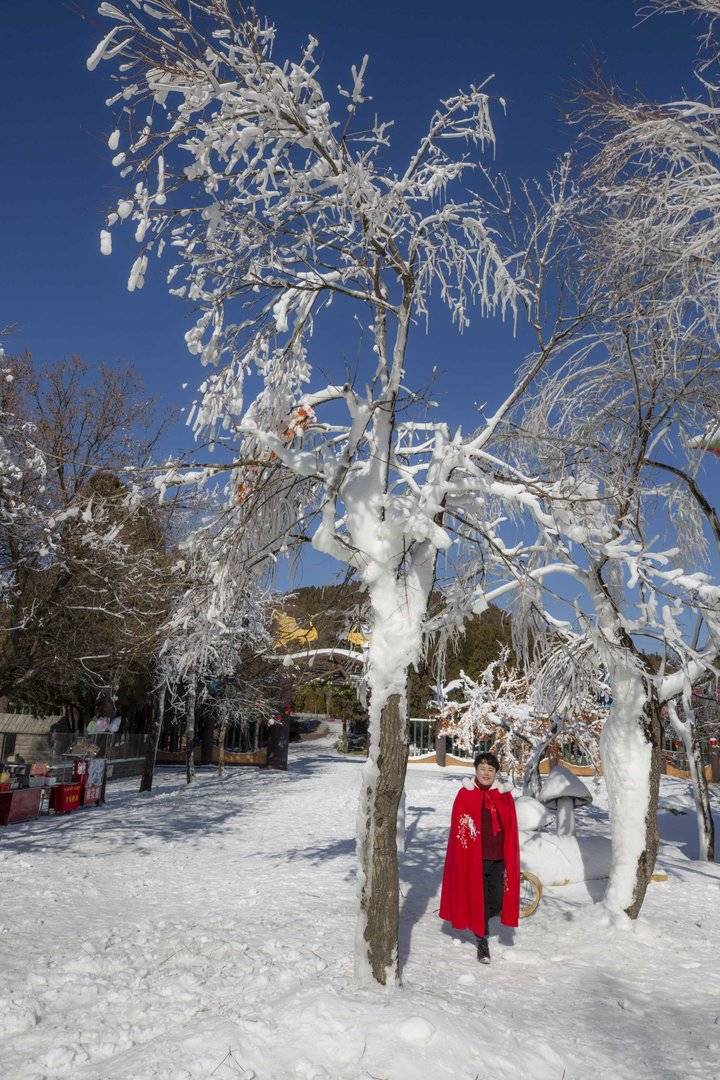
x,y
489,758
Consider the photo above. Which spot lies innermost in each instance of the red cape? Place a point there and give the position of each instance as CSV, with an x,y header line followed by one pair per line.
x,y
462,900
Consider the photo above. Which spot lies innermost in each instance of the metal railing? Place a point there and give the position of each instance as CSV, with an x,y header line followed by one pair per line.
x,y
420,736
59,746
422,740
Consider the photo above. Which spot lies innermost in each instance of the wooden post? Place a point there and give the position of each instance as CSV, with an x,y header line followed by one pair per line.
x,y
441,750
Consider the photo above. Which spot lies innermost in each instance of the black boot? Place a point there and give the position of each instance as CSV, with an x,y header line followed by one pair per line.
x,y
483,950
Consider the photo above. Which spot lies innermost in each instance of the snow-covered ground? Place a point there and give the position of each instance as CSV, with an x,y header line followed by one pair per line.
x,y
207,932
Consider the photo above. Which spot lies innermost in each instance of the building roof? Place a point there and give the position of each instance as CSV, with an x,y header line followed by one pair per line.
x,y
24,724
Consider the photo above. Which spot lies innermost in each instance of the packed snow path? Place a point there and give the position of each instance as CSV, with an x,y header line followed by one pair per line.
x,y
207,932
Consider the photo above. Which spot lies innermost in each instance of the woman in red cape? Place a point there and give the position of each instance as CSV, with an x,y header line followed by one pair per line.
x,y
482,865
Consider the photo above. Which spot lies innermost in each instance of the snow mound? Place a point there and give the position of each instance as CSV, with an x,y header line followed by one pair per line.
x,y
565,860
417,1030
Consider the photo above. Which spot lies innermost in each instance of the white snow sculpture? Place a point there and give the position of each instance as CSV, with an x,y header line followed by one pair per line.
x,y
531,814
562,792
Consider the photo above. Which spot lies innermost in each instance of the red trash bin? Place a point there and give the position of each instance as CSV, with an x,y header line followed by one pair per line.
x,y
65,797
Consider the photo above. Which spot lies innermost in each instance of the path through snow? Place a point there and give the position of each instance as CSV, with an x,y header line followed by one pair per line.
x,y
207,932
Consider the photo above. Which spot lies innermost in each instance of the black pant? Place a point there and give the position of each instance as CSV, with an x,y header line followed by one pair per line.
x,y
493,881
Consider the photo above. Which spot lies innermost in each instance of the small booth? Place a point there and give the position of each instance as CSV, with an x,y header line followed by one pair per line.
x,y
20,792
27,790
19,804
84,787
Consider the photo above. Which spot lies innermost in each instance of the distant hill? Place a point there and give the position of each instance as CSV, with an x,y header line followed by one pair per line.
x,y
332,609
335,610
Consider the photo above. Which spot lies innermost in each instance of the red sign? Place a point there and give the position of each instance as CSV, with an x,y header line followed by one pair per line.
x,y
93,794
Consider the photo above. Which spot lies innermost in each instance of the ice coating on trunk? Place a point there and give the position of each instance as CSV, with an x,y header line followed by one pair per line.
x,y
627,759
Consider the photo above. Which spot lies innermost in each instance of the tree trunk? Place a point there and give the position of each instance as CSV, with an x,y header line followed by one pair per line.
x,y
532,784
696,766
190,730
151,749
222,732
384,780
630,750
686,730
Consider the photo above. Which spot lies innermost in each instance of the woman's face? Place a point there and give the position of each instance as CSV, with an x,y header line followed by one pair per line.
x,y
485,774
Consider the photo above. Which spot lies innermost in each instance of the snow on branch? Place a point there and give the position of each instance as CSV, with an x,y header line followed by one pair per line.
x,y
514,712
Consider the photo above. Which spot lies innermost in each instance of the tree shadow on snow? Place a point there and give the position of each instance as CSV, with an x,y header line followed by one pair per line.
x,y
319,853
139,820
680,830
420,870
421,867
171,812
83,833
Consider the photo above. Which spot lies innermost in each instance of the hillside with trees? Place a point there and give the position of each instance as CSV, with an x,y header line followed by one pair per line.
x,y
336,610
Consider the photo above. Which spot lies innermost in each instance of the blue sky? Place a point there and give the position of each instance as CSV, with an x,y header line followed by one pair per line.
x,y
56,182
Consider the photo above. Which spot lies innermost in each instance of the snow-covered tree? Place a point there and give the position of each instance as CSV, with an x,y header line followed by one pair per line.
x,y
615,421
607,455
25,533
522,712
658,166
217,615
254,694
276,206
82,550
683,724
